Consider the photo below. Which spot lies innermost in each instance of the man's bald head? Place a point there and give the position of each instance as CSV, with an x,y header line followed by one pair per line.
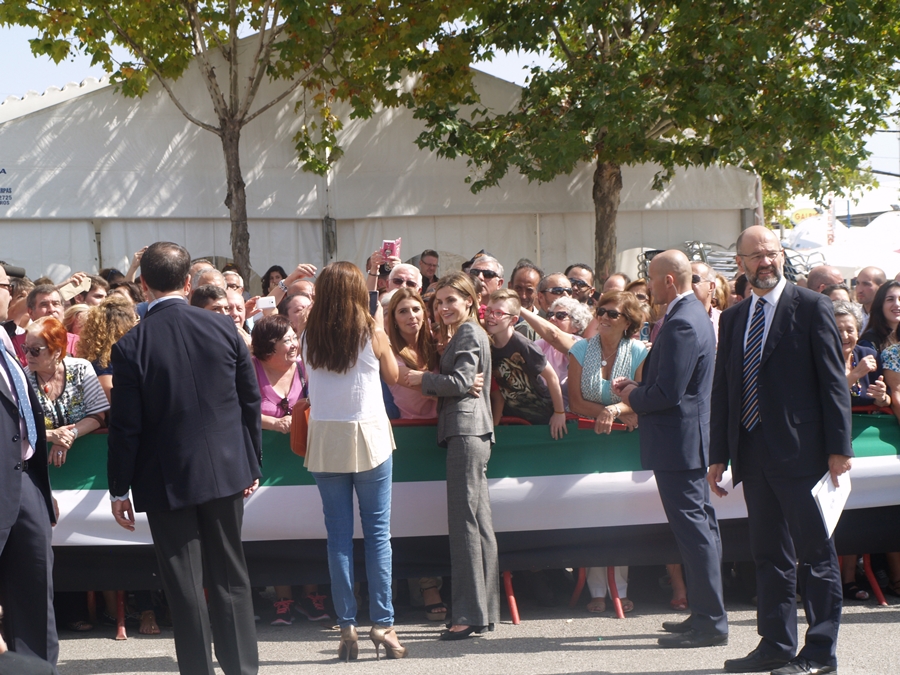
x,y
823,275
670,274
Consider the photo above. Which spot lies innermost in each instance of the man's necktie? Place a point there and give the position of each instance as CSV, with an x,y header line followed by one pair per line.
x,y
752,357
22,393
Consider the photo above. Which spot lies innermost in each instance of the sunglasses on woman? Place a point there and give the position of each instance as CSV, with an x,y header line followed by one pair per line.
x,y
285,406
559,316
487,274
612,313
33,352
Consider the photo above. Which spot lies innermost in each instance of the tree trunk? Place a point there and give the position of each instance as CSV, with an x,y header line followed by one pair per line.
x,y
236,199
607,190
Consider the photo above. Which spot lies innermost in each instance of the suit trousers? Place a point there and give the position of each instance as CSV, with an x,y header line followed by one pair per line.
x,y
201,544
685,498
26,571
475,569
786,527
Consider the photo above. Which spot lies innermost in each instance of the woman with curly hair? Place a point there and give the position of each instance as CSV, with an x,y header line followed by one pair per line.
x,y
105,324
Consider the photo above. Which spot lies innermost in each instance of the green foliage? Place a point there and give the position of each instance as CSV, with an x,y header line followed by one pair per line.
x,y
786,88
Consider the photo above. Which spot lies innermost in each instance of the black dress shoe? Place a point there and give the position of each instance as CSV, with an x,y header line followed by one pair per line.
x,y
693,638
801,666
460,634
678,626
755,662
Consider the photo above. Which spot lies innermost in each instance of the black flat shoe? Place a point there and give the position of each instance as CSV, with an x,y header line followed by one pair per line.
x,y
755,662
461,634
691,639
678,626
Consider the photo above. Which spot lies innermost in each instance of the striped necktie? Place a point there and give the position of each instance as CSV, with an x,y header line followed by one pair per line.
x,y
752,358
21,388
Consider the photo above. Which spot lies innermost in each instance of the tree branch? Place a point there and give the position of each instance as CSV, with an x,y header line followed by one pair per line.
x,y
154,68
562,43
233,101
651,27
261,59
202,54
661,127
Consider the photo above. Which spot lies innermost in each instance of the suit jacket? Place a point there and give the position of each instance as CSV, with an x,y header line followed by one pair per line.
x,y
459,413
673,400
804,408
185,425
11,454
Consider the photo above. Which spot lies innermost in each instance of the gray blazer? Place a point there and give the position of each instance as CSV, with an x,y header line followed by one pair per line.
x,y
459,413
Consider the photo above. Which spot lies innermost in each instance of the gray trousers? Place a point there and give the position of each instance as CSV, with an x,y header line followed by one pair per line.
x,y
473,547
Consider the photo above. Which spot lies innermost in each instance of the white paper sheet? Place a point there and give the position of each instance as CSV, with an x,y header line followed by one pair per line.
x,y
831,499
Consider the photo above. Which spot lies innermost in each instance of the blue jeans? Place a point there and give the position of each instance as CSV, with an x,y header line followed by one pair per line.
x,y
373,490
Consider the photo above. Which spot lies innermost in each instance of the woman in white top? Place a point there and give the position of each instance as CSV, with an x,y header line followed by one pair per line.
x,y
350,444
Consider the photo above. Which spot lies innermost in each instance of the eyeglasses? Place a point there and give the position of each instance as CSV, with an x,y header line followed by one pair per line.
x,y
757,257
33,352
612,313
487,274
397,281
696,279
578,283
559,290
285,406
559,316
496,313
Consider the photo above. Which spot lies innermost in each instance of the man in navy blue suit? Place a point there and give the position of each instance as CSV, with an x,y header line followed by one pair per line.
x,y
781,414
673,407
185,436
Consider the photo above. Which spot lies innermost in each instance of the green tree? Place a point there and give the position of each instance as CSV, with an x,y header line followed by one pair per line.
x,y
355,51
785,88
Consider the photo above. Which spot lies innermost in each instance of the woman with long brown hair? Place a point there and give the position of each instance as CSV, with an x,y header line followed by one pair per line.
x,y
466,429
350,444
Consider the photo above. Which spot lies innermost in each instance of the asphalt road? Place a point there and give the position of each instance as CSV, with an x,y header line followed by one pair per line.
x,y
547,642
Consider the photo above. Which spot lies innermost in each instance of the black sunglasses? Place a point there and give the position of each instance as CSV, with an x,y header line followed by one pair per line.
x,y
559,290
397,281
559,316
612,313
487,274
33,352
284,406
577,282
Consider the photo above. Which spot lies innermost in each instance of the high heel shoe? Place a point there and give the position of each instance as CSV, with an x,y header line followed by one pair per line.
x,y
349,648
378,635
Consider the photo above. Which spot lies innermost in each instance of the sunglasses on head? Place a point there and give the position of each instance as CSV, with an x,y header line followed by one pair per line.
x,y
397,281
487,274
559,316
559,290
612,313
33,352
578,283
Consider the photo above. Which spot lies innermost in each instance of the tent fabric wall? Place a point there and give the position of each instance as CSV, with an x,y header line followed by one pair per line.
x,y
90,154
55,248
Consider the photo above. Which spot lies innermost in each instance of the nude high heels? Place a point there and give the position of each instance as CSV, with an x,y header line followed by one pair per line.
x,y
378,634
349,648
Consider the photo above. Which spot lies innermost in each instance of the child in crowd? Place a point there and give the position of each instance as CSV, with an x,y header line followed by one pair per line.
x,y
527,386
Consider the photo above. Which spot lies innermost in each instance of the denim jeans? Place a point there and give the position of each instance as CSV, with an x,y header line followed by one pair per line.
x,y
373,490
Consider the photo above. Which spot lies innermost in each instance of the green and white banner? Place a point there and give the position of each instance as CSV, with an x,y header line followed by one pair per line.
x,y
536,484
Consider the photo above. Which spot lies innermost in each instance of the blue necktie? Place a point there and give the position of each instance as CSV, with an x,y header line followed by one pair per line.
x,y
752,358
22,393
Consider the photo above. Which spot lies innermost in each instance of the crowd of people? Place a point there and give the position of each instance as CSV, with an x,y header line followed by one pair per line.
x,y
349,349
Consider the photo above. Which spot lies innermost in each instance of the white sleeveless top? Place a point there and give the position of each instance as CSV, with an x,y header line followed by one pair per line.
x,y
349,430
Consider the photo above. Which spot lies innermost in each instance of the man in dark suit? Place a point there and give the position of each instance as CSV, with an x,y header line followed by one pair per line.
x,y
26,509
185,436
781,414
672,403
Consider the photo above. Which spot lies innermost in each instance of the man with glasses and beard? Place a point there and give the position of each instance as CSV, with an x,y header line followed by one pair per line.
x,y
781,414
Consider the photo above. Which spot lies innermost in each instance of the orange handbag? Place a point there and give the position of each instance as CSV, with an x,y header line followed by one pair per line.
x,y
299,430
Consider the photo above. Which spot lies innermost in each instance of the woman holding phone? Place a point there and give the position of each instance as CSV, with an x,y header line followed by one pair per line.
x,y
466,429
349,446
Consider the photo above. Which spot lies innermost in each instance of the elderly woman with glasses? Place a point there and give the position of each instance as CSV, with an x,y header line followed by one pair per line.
x,y
71,397
593,364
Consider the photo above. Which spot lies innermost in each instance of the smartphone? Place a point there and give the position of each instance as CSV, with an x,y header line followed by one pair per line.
x,y
645,332
265,302
69,291
390,248
373,302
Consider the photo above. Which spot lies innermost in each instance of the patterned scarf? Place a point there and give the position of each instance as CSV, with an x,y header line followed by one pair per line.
x,y
591,376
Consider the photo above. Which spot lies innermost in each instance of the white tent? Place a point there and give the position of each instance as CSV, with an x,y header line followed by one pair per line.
x,y
87,177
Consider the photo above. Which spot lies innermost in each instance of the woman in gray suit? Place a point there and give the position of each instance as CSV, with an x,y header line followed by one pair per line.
x,y
466,429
